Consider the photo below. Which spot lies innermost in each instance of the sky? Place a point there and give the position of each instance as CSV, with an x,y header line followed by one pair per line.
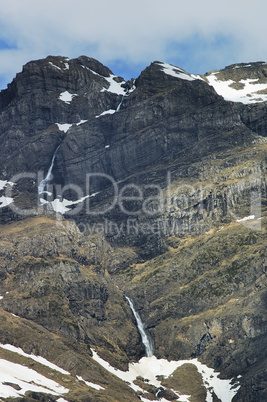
x,y
128,35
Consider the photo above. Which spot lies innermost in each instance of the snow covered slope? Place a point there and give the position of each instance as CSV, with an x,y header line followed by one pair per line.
x,y
20,375
245,83
151,368
16,379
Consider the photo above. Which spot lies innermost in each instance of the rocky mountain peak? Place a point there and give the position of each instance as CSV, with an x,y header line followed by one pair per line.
x,y
94,65
56,74
48,97
160,75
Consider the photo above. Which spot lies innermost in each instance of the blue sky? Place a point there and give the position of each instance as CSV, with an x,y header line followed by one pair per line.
x,y
128,36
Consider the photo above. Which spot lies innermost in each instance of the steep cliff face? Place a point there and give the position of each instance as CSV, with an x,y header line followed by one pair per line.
x,y
162,181
45,95
74,102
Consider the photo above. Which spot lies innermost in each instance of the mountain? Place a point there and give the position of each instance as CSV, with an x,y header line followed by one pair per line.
x,y
151,190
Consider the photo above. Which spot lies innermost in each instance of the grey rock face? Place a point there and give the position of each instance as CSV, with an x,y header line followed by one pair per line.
x,y
158,121
31,107
186,275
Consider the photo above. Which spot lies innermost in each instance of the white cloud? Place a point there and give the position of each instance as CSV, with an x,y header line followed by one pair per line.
x,y
137,31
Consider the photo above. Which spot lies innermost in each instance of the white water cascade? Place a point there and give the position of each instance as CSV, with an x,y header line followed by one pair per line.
x,y
145,339
119,106
43,184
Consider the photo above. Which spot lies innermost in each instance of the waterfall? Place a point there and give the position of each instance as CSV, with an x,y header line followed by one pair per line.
x,y
119,106
145,339
42,186
128,91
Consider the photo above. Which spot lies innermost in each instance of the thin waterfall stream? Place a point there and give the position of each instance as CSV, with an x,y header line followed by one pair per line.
x,y
145,339
119,106
128,91
45,181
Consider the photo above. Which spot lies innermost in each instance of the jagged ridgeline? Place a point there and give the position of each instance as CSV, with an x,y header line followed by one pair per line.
x,y
133,232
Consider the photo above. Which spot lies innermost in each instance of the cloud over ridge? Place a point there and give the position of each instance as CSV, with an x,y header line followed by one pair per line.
x,y
197,36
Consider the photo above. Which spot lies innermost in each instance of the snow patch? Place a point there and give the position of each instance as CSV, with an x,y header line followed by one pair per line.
x,y
81,122
151,367
248,94
66,97
4,201
247,65
224,390
61,205
176,72
38,359
4,183
26,379
197,77
92,71
110,111
57,205
53,65
64,127
90,384
114,87
247,218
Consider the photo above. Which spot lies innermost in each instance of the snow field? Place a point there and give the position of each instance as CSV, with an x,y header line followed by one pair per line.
x,y
16,379
248,94
151,367
26,380
38,359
